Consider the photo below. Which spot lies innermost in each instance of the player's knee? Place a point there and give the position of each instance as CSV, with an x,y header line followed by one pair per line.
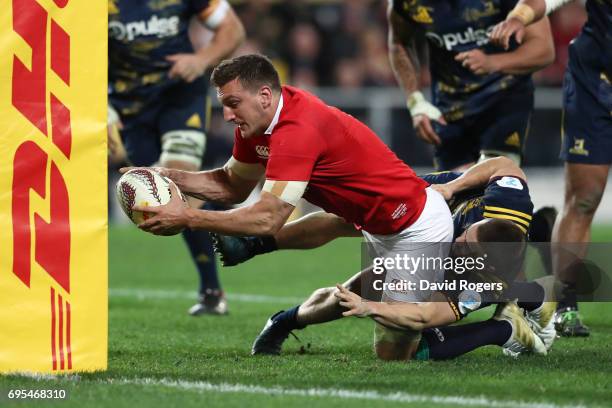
x,y
321,296
584,202
388,351
392,344
183,149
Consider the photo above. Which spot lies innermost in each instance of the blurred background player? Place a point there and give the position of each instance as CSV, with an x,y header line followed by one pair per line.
x,y
482,96
587,136
158,98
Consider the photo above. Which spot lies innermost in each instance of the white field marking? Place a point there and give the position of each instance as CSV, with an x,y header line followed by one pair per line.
x,y
201,386
142,294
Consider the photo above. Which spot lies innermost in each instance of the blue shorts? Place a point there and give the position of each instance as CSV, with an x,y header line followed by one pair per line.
x,y
180,107
587,106
502,128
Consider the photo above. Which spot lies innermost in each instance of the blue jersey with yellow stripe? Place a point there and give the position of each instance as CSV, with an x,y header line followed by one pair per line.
x,y
141,34
451,27
504,197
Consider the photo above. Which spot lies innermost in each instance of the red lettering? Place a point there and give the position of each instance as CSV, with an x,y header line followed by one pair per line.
x,y
52,250
53,238
29,173
60,52
29,86
61,133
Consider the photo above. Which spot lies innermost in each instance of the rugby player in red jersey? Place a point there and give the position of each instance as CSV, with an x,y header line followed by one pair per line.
x,y
306,149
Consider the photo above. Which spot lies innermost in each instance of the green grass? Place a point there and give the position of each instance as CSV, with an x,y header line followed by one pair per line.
x,y
155,338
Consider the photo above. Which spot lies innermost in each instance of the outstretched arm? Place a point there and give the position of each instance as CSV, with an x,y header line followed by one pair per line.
x,y
222,185
479,176
265,217
414,316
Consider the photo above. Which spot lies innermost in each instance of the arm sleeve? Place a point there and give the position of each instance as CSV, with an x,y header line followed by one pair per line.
x,y
211,12
293,153
441,177
508,198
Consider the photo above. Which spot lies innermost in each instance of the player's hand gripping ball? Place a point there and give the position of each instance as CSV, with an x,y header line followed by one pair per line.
x,y
142,187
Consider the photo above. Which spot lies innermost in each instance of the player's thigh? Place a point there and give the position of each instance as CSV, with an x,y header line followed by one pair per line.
x,y
141,142
457,148
181,125
413,258
504,128
587,117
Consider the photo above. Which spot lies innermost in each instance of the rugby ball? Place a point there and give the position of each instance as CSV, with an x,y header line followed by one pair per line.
x,y
142,187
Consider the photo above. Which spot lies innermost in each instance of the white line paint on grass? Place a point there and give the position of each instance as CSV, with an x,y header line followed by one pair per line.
x,y
143,294
481,401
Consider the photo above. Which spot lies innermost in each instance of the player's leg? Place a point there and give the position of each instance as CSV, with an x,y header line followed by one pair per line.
x,y
584,187
507,329
429,237
587,151
503,129
320,307
311,231
394,344
182,138
456,150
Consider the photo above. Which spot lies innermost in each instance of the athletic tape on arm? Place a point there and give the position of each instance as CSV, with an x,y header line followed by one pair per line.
x,y
288,191
217,14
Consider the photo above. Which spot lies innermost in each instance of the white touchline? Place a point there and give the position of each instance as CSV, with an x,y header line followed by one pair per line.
x,y
337,393
203,386
183,294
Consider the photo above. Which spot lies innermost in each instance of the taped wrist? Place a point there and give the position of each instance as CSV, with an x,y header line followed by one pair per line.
x,y
418,105
522,13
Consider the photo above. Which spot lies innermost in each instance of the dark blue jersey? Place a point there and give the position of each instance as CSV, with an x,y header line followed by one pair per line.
x,y
141,34
503,197
453,26
599,30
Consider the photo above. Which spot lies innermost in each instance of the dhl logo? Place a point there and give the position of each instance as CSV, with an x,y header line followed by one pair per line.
x,y
34,170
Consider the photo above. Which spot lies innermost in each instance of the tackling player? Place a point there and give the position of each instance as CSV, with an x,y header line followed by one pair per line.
x,y
482,96
158,98
499,212
586,131
305,148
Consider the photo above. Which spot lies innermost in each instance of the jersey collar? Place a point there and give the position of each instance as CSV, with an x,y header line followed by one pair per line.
x,y
276,116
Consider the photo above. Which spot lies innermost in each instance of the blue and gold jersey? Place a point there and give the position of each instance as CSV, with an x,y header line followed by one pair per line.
x,y
504,197
141,34
598,32
451,27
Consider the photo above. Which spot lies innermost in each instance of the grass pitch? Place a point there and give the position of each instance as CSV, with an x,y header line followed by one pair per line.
x,y
160,356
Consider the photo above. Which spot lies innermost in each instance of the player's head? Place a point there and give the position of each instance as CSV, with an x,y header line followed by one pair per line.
x,y
492,230
500,241
247,86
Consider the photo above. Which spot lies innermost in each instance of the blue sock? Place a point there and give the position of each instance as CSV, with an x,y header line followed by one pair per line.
x,y
451,341
201,249
288,318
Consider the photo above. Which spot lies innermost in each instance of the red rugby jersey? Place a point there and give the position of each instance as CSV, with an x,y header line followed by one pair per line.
x,y
349,170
